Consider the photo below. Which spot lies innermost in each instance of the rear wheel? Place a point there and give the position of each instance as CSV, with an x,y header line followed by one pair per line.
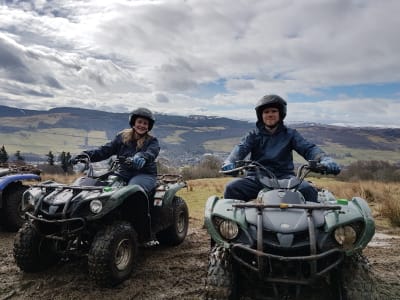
x,y
13,215
33,253
176,233
221,281
113,254
356,280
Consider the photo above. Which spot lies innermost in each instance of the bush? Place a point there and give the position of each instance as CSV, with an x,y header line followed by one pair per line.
x,y
371,170
208,168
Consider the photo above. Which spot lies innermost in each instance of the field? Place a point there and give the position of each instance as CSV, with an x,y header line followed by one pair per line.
x,y
179,272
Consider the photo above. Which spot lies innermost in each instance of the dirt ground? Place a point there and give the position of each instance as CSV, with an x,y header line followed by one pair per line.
x,y
164,273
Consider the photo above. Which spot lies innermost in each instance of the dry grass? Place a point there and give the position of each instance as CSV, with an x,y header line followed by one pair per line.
x,y
383,197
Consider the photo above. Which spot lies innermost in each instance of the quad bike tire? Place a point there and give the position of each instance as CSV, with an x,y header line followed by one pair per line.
x,y
32,252
357,281
113,254
12,214
222,278
176,233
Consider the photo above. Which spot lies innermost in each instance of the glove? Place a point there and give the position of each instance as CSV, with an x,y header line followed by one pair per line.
x,y
137,162
331,166
74,160
228,166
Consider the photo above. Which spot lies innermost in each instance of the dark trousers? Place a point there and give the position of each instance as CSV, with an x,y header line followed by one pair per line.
x,y
147,181
247,188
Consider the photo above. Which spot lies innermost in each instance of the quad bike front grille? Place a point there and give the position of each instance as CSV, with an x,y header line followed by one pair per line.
x,y
302,270
62,229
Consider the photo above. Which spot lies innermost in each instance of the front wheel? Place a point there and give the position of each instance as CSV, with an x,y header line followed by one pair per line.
x,y
221,281
176,233
13,215
113,254
32,252
356,280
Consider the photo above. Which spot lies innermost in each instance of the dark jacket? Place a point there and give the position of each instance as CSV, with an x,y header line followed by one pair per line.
x,y
149,152
274,150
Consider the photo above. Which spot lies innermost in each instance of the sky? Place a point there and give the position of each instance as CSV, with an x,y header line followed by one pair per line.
x,y
333,61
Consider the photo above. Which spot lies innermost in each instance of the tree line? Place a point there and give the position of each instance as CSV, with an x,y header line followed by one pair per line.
x,y
210,165
64,158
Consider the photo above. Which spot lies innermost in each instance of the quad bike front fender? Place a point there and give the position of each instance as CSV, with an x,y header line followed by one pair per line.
x,y
357,210
118,198
7,180
220,207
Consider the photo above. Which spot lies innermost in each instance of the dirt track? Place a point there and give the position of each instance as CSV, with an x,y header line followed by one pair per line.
x,y
164,273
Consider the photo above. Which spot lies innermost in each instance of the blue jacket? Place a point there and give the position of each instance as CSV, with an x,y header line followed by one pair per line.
x,y
275,150
149,152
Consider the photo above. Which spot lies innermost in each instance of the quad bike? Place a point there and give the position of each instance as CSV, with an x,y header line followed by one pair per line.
x,y
101,217
13,183
285,247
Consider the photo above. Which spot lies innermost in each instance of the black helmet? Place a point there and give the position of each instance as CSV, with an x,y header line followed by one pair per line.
x,y
144,113
271,101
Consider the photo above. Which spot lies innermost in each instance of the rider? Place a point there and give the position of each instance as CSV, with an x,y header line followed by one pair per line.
x,y
138,146
271,144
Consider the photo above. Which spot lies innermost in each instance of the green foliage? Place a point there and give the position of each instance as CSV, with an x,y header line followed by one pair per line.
x,y
50,158
3,155
64,159
18,156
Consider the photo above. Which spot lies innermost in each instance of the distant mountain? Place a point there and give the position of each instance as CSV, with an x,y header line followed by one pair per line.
x,y
183,139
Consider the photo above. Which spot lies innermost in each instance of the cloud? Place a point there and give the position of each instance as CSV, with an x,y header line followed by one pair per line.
x,y
203,56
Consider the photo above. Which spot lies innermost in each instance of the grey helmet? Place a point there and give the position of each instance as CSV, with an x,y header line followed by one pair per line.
x,y
271,101
144,113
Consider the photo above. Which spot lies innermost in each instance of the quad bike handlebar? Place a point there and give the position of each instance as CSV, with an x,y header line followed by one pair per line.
x,y
241,165
267,177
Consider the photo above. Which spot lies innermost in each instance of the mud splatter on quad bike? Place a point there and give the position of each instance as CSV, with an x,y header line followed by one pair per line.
x,y
280,246
13,183
100,217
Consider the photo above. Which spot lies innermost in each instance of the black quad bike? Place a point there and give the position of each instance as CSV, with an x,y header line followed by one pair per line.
x,y
14,181
101,217
281,246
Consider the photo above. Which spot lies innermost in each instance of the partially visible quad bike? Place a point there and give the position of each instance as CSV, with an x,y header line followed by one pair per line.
x,y
101,217
281,246
13,183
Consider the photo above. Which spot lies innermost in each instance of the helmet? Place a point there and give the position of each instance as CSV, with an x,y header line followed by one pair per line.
x,y
271,101
143,113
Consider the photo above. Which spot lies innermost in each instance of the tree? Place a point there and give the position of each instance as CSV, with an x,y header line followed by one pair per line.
x,y
50,158
3,155
64,160
18,156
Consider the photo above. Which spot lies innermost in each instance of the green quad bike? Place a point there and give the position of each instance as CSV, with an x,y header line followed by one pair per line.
x,y
100,217
280,246
14,181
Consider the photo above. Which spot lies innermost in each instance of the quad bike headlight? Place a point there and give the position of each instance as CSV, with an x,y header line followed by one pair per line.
x,y
30,197
96,206
228,229
345,236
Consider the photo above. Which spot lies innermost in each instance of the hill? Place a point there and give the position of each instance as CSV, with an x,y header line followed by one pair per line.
x,y
183,139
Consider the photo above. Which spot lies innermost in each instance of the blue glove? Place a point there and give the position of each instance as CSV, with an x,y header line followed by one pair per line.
x,y
136,161
331,166
227,167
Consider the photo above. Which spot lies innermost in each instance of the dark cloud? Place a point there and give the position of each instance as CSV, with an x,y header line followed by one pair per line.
x,y
161,98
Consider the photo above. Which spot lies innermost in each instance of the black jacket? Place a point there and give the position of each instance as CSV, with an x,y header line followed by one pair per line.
x,y
149,152
275,150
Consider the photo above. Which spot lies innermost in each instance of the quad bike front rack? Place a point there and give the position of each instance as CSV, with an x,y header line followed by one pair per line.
x,y
262,258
